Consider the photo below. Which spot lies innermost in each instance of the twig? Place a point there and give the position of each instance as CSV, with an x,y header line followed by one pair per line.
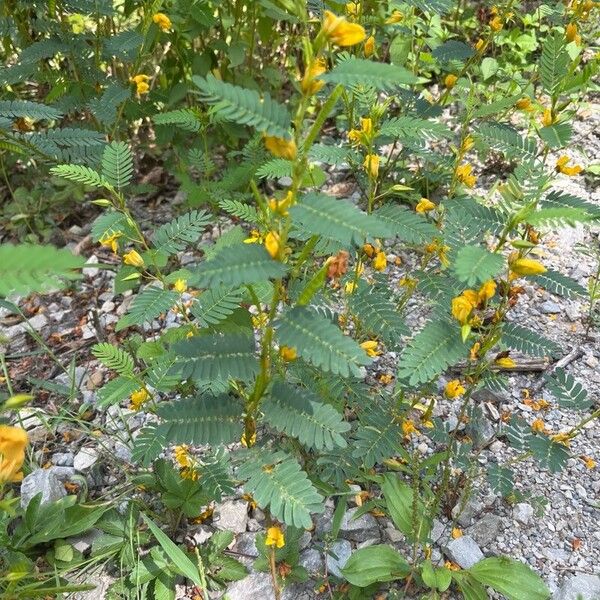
x,y
521,365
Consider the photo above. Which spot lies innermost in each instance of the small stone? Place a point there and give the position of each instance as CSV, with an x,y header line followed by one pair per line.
x,y
481,431
41,481
556,554
122,452
63,473
393,535
579,587
523,513
84,542
550,307
38,322
202,534
312,561
358,529
464,551
256,585
485,531
85,459
231,516
62,459
91,271
342,550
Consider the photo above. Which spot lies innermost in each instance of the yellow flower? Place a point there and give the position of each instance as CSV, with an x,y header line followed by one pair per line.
x,y
496,23
425,205
138,398
562,438
110,241
341,32
371,165
370,347
254,237
506,362
450,81
310,84
395,17
182,456
461,308
451,566
288,354
463,174
467,144
281,147
141,83
370,46
561,167
162,21
589,463
479,45
538,426
369,250
486,291
13,441
547,118
380,261
275,537
350,287
385,378
353,8
527,266
456,533
272,243
523,103
133,258
77,23
248,443
180,286
571,32
454,389
408,427
354,137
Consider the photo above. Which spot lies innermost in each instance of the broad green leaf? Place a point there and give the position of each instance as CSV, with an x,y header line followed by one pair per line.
x,y
375,564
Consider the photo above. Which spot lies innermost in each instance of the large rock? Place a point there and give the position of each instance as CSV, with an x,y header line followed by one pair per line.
x,y
485,531
359,529
231,516
464,551
579,587
342,550
312,561
41,481
257,586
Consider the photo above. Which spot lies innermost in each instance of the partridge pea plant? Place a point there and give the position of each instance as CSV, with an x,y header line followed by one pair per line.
x,y
270,368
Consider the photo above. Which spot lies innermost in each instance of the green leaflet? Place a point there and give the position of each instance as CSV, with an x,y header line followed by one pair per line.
x,y
320,342
216,357
25,268
277,482
407,225
336,219
529,342
179,233
237,265
117,164
430,352
243,106
298,413
569,393
148,305
474,265
358,71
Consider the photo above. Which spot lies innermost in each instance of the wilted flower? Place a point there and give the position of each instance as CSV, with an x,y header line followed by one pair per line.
x,y
523,103
380,261
272,243
561,167
505,362
110,241
395,17
450,81
310,84
408,427
527,266
370,46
